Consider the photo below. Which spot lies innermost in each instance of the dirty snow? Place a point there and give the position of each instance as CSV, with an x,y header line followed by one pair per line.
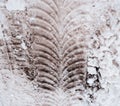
x,y
16,90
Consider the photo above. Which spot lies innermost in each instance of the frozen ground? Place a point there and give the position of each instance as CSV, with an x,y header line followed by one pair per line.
x,y
103,51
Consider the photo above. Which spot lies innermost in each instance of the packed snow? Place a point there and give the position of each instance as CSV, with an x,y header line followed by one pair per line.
x,y
16,90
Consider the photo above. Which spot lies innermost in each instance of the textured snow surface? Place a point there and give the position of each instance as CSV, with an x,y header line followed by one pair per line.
x,y
103,52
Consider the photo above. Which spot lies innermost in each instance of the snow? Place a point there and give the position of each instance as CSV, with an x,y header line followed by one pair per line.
x,y
15,5
92,70
16,90
23,45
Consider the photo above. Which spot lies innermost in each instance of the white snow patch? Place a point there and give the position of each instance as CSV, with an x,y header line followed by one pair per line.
x,y
15,90
91,70
15,5
23,45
